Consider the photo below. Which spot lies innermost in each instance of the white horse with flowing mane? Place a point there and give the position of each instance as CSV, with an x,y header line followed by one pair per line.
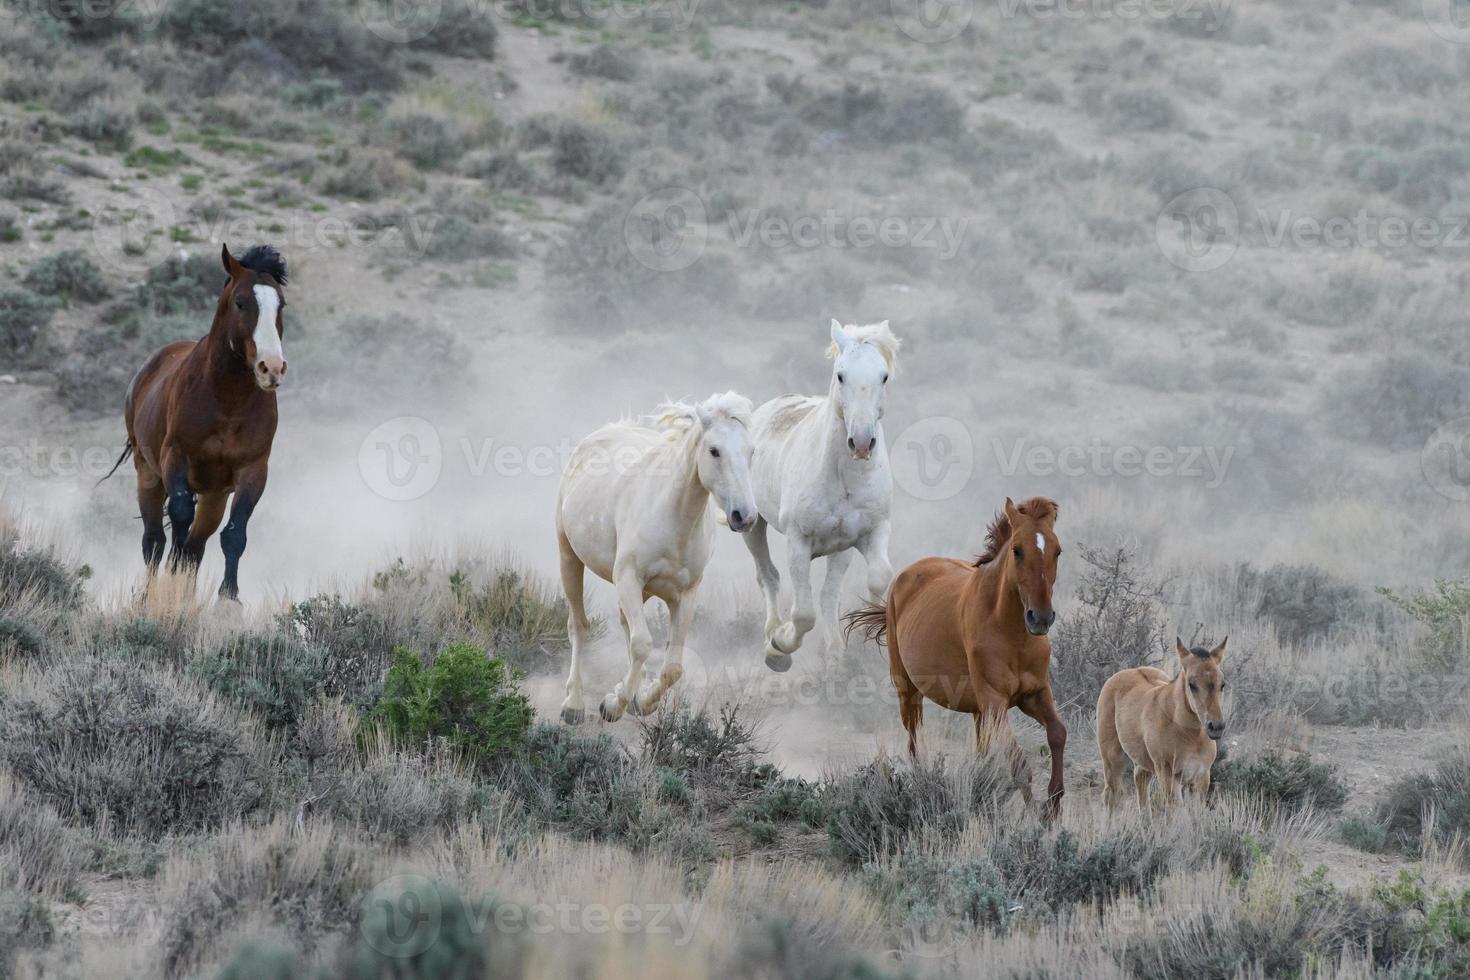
x,y
822,480
634,508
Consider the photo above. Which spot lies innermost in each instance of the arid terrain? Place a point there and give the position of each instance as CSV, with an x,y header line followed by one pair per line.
x,y
1197,271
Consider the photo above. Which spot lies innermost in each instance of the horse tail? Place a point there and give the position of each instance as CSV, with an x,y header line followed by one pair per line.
x,y
127,451
870,620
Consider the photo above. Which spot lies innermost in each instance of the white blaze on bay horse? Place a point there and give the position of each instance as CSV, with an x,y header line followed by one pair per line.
x,y
822,480
634,507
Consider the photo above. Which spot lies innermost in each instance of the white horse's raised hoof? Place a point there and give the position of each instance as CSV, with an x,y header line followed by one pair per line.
x,y
573,716
634,507
611,708
822,480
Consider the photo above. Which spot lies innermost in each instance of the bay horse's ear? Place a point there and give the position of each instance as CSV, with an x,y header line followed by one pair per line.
x,y
232,266
1219,652
1181,649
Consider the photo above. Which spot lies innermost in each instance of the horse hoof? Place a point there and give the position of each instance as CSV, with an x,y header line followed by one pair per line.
x,y
610,712
573,716
779,662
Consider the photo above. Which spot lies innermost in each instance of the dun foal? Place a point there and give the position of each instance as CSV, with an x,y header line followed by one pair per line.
x,y
1168,727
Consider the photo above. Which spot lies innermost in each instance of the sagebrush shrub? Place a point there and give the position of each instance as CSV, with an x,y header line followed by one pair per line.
x,y
135,746
26,571
1443,791
271,675
67,276
1290,783
24,317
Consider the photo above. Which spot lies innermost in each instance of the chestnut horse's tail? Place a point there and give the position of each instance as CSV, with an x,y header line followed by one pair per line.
x,y
870,620
127,451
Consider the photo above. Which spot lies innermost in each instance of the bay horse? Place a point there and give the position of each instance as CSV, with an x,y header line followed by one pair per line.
x,y
1168,726
634,507
972,637
201,416
823,481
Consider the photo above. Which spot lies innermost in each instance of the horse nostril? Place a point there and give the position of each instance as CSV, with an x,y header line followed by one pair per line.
x,y
851,443
872,444
735,517
261,367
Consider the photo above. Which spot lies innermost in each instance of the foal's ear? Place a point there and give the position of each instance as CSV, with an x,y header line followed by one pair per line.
x,y
1181,649
232,266
1218,653
840,339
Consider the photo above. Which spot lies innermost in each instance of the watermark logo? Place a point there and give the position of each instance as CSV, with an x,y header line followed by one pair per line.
x,y
402,916
1450,19
132,234
934,458
401,459
400,21
1199,230
667,229
1209,464
1445,460
932,21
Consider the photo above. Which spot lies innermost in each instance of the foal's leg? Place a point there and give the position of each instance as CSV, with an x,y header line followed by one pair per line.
x,y
249,485
681,614
766,574
1141,779
1041,707
787,638
837,565
640,641
574,708
875,554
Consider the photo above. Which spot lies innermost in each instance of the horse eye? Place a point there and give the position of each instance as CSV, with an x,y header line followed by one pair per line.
x,y
1194,687
714,452
1018,552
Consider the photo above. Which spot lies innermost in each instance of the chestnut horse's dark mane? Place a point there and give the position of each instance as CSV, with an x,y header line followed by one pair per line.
x,y
1037,508
265,260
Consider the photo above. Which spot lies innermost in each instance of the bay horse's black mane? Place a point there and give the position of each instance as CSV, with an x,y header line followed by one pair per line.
x,y
265,260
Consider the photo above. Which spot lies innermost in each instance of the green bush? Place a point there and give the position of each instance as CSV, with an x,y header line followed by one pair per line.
x,y
24,317
1364,833
1289,783
67,276
466,698
356,646
1444,612
274,676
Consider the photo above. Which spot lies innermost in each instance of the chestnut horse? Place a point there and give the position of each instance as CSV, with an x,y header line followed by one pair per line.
x,y
201,416
971,637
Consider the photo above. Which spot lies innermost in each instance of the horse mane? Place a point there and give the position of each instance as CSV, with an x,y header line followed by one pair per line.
x,y
877,334
265,260
1037,508
677,417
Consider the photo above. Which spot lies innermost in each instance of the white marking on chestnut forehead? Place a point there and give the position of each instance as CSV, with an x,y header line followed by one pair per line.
x,y
267,337
1041,542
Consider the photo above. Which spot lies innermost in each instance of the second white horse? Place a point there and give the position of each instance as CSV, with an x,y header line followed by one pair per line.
x,y
634,508
822,480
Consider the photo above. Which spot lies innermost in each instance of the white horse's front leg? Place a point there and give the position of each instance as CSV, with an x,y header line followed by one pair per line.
x,y
837,564
640,643
787,638
765,573
875,554
681,614
573,709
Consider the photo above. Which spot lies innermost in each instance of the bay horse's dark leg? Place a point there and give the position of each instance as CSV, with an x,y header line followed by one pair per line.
x,y
208,513
180,508
249,485
1041,707
150,507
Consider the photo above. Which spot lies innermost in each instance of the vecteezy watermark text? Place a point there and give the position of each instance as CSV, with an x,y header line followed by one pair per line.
x,y
833,229
1104,459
